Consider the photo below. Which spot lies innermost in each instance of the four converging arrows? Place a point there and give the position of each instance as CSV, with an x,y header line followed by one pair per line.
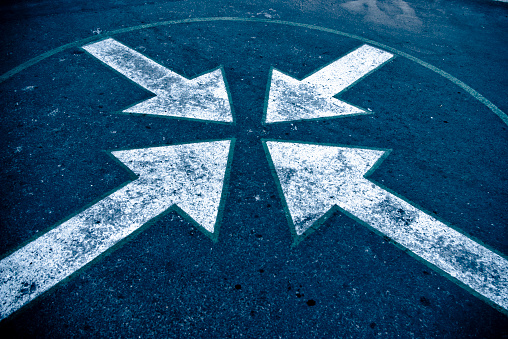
x,y
313,179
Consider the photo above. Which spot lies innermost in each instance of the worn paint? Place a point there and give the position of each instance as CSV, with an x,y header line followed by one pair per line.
x,y
313,97
190,176
204,97
31,62
316,178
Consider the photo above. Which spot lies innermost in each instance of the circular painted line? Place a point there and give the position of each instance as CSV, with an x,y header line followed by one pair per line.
x,y
79,43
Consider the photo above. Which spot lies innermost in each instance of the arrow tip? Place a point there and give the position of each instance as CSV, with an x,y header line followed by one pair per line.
x,y
314,178
290,99
203,98
190,176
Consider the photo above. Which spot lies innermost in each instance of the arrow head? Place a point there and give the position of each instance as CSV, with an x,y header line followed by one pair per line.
x,y
189,175
290,99
314,178
313,97
202,98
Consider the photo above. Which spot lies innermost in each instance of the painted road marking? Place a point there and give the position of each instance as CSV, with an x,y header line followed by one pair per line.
x,y
311,98
316,178
454,80
31,62
190,176
204,97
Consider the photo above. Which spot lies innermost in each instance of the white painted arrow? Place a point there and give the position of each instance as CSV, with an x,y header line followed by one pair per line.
x,y
316,178
203,98
311,98
190,176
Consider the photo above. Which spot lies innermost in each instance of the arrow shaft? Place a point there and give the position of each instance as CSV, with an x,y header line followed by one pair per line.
x,y
463,259
41,264
347,70
135,66
190,175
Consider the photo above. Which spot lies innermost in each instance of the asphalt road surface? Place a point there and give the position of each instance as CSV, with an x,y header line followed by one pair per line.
x,y
278,169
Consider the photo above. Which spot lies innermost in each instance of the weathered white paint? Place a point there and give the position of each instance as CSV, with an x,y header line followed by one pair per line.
x,y
190,176
203,98
315,178
311,98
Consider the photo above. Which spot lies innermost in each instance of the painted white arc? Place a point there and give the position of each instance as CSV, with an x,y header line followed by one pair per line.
x,y
315,178
204,98
190,176
290,99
